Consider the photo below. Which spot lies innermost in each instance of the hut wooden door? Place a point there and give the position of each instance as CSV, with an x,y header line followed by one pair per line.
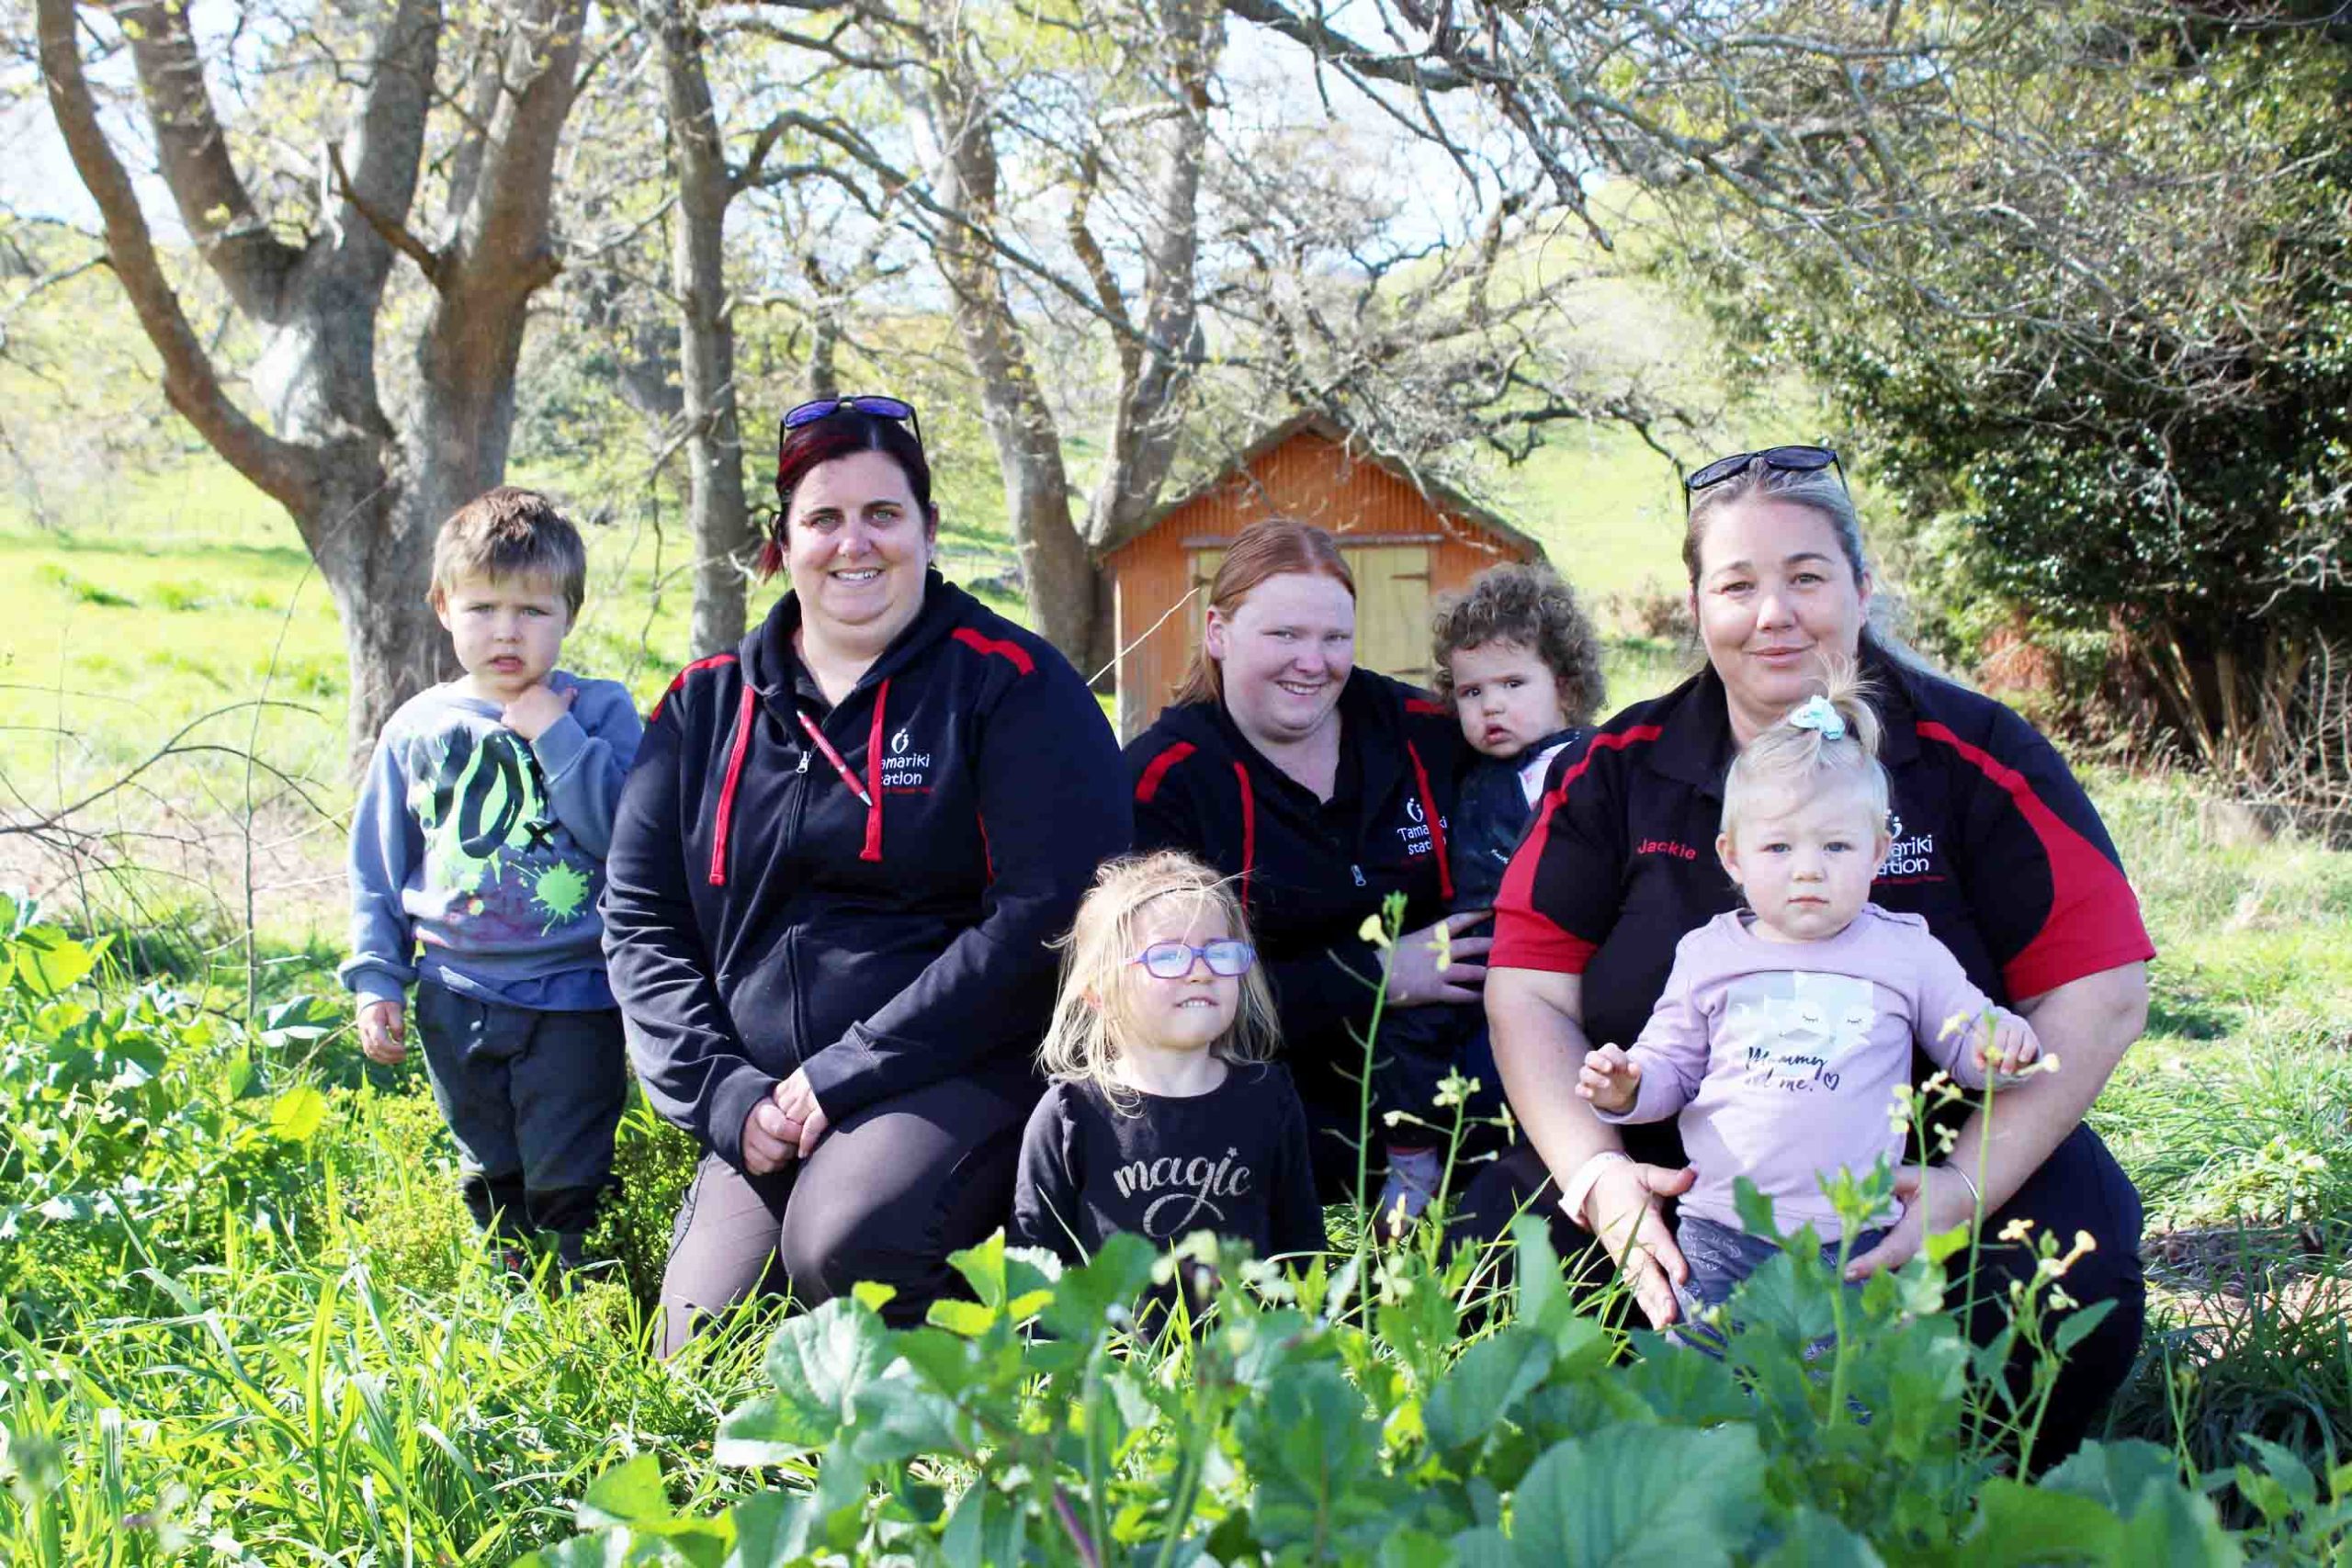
x,y
1392,605
1393,609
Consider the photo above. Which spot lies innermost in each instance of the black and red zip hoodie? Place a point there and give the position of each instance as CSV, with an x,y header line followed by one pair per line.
x,y
866,891
1310,871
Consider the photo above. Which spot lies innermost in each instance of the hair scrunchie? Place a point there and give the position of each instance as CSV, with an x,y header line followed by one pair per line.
x,y
1818,713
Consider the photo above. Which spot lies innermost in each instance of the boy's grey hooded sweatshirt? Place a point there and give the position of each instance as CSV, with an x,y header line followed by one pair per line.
x,y
477,858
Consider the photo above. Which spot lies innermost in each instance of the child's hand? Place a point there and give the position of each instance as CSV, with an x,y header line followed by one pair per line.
x,y
529,715
2012,1046
1609,1078
383,1031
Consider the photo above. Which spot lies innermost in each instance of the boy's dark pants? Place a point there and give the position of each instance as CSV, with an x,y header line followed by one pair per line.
x,y
532,1099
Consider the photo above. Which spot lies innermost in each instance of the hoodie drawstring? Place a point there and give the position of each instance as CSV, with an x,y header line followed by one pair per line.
x,y
873,849
743,715
869,794
1249,831
1428,809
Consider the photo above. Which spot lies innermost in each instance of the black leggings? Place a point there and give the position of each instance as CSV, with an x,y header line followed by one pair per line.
x,y
887,1195
2078,1188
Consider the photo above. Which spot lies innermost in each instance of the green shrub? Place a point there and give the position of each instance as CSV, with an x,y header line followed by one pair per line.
x,y
401,1190
84,590
1347,1418
245,1318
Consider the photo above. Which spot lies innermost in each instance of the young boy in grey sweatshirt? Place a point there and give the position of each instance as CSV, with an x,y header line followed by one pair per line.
x,y
477,856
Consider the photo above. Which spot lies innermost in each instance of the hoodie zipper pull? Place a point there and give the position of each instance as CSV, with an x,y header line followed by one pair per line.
x,y
1358,871
804,762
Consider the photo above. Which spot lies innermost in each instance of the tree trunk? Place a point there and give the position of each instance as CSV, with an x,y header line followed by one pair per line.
x,y
822,378
1148,418
1059,559
1057,569
376,558
717,508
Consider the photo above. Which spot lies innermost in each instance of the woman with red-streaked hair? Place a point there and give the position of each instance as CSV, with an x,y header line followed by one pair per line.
x,y
836,867
1323,789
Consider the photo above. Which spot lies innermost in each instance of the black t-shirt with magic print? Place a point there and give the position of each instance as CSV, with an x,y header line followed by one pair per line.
x,y
1233,1161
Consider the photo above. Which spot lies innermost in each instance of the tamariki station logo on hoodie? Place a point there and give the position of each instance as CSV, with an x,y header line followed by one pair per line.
x,y
1913,858
905,769
1415,833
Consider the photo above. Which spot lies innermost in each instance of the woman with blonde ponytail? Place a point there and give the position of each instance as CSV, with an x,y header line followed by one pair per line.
x,y
1321,789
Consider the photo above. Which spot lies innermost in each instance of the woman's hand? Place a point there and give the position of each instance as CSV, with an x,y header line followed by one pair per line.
x,y
769,1139
1415,980
1947,1202
1621,1212
799,1103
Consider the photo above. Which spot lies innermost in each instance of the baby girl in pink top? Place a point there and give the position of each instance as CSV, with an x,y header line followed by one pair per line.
x,y
1786,1026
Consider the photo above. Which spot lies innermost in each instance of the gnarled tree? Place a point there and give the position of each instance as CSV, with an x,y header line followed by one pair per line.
x,y
307,271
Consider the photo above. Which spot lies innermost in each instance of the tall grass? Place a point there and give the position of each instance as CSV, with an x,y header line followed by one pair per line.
x,y
2235,1117
246,1319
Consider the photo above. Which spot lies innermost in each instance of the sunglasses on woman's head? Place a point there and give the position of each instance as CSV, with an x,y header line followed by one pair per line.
x,y
1789,460
1173,960
816,409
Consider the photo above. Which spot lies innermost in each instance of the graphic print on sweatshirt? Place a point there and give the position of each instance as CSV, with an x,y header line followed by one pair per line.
x,y
1790,1029
906,765
482,803
1173,1195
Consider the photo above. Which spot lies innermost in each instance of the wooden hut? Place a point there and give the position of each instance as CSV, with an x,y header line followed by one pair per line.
x,y
1405,541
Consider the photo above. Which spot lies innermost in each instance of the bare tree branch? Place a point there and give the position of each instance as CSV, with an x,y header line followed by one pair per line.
x,y
503,245
395,233
233,235
190,384
1335,48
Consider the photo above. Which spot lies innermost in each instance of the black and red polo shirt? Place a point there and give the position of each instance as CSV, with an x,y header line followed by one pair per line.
x,y
1995,845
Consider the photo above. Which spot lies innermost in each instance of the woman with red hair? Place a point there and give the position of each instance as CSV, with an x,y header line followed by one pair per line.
x,y
1323,789
836,867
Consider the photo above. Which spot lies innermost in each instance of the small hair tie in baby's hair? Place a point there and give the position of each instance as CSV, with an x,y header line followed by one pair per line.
x,y
1819,713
